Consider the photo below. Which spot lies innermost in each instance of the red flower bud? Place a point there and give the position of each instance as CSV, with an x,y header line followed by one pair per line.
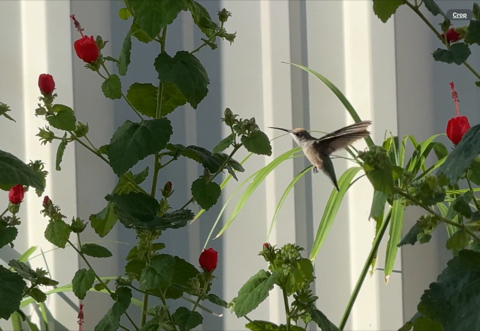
x,y
266,245
452,35
86,49
456,128
16,194
46,201
208,259
46,83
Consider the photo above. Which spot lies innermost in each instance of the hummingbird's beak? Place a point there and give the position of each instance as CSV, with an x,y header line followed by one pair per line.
x,y
272,127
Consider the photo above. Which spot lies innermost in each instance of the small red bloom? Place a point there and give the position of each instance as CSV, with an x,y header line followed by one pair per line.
x,y
452,35
459,125
86,49
46,201
16,194
267,245
46,83
208,259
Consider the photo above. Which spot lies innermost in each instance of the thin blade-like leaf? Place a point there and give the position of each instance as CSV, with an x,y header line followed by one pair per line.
x,y
396,226
331,209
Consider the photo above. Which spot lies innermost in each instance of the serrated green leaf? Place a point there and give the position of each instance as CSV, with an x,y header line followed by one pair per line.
x,y
37,295
124,56
153,16
321,320
182,273
257,143
187,319
216,300
462,156
474,172
254,292
135,267
133,142
461,204
95,250
433,8
23,270
426,324
11,292
111,321
13,171
8,235
163,265
172,98
262,326
104,221
186,72
139,33
459,240
224,144
202,19
61,149
412,235
63,118
149,279
458,53
454,299
143,97
58,232
473,35
385,8
151,325
112,87
124,14
82,282
205,193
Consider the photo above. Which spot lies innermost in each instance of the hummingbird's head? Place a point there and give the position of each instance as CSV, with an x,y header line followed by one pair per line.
x,y
300,135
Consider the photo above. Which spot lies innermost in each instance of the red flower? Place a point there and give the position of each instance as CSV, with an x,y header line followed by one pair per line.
x,y
452,35
208,259
46,83
46,201
16,194
86,49
267,245
459,125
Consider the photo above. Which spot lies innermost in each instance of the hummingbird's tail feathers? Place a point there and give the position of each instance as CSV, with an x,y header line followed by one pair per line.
x,y
343,137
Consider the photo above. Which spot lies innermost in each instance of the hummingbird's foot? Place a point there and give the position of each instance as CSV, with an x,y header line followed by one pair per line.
x,y
315,170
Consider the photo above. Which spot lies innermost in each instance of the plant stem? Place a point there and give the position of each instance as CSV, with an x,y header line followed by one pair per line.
x,y
97,153
212,38
4,212
99,279
440,217
366,266
144,308
473,194
287,311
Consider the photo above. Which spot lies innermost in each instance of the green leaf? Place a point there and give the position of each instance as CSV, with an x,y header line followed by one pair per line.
x,y
396,226
257,142
433,8
13,171
143,97
382,179
224,144
205,193
139,33
104,221
385,8
187,319
124,56
459,240
58,232
476,10
124,14
153,16
112,87
216,300
202,19
454,299
299,275
254,292
473,35
412,235
95,250
378,205
426,324
474,172
321,320
11,292
331,209
462,156
159,273
458,53
182,273
7,235
133,142
186,72
111,321
37,295
82,282
26,256
61,149
63,118
172,98
3,111
262,326
461,204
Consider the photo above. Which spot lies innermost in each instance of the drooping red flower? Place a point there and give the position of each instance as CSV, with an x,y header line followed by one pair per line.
x,y
46,83
80,317
459,125
86,49
208,259
452,35
16,193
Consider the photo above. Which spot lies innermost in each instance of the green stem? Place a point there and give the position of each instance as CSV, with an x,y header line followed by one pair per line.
x,y
440,217
144,309
287,311
97,153
473,194
212,38
4,212
99,279
363,274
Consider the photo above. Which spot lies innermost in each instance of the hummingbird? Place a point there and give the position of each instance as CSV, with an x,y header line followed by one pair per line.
x,y
318,150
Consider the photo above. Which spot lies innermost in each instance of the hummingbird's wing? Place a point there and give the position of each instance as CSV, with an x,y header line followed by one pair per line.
x,y
329,170
342,138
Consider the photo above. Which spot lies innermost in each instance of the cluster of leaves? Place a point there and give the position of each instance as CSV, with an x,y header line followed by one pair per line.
x,y
293,274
